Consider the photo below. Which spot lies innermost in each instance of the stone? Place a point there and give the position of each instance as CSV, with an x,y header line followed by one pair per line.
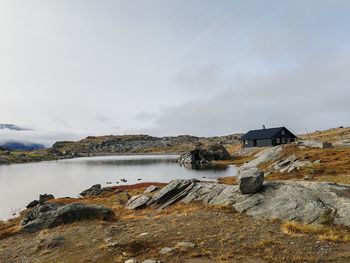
x,y
96,190
42,199
49,215
199,155
250,181
166,251
151,189
316,144
32,204
131,261
51,243
262,157
45,197
171,193
185,245
151,261
288,160
317,161
137,202
304,201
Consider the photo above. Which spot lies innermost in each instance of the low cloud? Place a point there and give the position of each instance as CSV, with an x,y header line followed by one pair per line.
x,y
313,96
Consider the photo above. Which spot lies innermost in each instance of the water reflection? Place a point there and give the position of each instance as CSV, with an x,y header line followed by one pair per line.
x,y
206,167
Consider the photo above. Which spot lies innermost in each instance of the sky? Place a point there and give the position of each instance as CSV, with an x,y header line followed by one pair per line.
x,y
69,69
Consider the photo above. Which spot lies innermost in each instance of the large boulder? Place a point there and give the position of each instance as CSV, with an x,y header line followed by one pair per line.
x,y
250,180
49,215
200,155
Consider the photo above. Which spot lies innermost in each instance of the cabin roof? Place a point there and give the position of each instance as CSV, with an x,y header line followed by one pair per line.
x,y
263,133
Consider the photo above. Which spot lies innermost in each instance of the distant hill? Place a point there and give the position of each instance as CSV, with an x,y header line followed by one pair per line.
x,y
13,146
12,127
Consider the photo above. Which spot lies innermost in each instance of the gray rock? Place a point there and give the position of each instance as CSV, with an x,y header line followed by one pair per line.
x,y
137,202
96,190
185,245
50,215
42,199
151,189
171,193
151,261
201,155
131,261
45,197
166,251
263,156
33,204
288,160
290,200
250,181
51,243
315,144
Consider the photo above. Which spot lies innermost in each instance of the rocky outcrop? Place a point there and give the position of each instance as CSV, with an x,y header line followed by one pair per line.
x,y
94,145
42,199
250,181
303,201
263,156
96,190
315,144
290,164
202,155
50,215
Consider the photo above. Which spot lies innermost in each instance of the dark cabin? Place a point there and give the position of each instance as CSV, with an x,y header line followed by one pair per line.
x,y
267,137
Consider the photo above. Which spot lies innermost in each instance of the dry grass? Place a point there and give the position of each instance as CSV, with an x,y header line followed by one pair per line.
x,y
230,180
331,135
9,228
334,166
324,233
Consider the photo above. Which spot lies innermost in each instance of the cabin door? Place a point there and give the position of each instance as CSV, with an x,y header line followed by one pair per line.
x,y
255,143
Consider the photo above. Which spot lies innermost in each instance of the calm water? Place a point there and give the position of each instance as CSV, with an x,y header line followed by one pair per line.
x,y
22,183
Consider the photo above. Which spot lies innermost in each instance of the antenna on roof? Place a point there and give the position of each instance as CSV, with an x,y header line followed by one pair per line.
x,y
264,127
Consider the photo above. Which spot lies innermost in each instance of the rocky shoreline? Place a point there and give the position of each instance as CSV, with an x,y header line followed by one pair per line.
x,y
115,145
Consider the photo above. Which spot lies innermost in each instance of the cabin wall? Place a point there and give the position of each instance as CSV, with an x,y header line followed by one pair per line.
x,y
264,143
259,143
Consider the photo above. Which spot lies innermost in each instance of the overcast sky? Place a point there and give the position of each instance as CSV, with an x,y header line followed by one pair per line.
x,y
167,67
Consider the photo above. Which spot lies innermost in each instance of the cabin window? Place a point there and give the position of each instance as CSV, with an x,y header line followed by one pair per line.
x,y
283,140
282,132
287,140
278,140
246,142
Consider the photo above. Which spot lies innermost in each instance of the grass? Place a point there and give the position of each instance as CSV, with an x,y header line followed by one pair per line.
x,y
334,166
9,228
330,135
323,233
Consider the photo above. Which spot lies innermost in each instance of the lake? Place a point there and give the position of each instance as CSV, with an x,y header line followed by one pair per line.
x,y
22,183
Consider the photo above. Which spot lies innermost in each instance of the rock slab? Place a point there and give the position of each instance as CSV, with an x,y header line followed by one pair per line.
x,y
309,202
50,215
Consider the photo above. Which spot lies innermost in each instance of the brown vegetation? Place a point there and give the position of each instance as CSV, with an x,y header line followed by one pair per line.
x,y
334,165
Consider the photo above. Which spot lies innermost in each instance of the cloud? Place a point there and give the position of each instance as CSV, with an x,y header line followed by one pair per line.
x,y
313,96
146,116
102,119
